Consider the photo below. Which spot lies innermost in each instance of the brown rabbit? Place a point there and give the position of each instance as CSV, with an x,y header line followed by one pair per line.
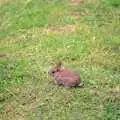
x,y
65,76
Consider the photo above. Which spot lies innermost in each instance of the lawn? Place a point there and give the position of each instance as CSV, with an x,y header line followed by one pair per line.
x,y
84,34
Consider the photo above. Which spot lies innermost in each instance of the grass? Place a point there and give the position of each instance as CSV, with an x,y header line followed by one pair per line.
x,y
84,35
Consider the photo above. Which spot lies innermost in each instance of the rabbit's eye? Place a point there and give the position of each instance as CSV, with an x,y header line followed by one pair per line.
x,y
53,72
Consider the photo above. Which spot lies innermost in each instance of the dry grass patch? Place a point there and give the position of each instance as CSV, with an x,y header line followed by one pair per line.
x,y
19,104
116,89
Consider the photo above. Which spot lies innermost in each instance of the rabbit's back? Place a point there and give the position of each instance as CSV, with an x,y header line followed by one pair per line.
x,y
67,77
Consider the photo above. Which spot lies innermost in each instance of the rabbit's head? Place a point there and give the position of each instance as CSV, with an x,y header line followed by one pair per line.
x,y
58,67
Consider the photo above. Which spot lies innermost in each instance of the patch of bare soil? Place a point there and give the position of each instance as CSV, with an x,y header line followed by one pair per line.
x,y
75,15
79,14
65,28
75,2
4,1
3,56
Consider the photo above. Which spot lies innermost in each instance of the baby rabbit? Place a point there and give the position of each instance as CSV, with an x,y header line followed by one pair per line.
x,y
65,76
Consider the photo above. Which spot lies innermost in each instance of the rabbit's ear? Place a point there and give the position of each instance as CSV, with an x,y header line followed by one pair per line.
x,y
62,68
59,64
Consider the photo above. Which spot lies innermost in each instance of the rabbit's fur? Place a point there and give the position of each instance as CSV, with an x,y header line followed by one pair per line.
x,y
65,76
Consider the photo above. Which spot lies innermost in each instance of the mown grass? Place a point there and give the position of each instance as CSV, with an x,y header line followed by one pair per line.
x,y
84,35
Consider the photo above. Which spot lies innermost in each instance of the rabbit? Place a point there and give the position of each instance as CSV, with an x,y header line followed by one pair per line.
x,y
65,76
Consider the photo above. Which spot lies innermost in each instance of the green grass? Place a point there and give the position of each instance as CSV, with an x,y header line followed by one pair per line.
x,y
28,45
